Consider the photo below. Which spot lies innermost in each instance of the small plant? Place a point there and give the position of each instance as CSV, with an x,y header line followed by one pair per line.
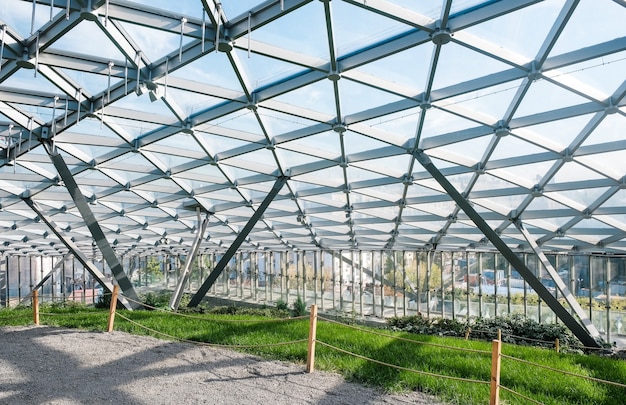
x,y
224,310
282,305
150,300
299,307
161,299
104,301
348,318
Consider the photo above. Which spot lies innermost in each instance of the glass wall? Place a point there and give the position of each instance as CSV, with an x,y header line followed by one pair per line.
x,y
353,283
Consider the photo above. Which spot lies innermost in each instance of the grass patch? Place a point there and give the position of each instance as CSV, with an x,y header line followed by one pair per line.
x,y
416,352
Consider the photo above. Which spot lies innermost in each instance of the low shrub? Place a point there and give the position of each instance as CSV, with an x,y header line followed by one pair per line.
x,y
515,328
299,307
158,299
103,301
282,305
264,311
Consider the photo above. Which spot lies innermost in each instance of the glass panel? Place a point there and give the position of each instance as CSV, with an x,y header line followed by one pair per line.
x,y
598,29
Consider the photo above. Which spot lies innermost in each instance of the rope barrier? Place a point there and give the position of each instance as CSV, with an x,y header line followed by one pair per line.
x,y
74,314
530,339
402,368
59,297
564,372
409,340
296,318
205,343
520,395
511,335
594,348
13,317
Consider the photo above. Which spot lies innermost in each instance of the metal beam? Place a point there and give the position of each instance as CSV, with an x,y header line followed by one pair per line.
x,y
243,234
178,292
96,231
567,294
80,256
568,319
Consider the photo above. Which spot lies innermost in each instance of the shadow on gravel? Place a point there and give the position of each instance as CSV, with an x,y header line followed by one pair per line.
x,y
47,365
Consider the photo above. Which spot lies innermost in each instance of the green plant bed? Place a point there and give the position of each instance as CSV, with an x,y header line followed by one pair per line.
x,y
514,328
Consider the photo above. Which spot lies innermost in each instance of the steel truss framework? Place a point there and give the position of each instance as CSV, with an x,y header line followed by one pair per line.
x,y
520,105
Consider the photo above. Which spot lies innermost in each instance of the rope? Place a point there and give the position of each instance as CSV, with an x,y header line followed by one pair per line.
x,y
531,339
408,340
59,297
205,343
564,372
510,334
402,368
70,313
28,314
594,348
242,320
520,395
218,320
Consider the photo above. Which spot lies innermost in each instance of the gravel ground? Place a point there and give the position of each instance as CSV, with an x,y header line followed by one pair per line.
x,y
46,365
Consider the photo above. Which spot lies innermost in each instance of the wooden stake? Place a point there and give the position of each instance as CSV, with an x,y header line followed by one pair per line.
x,y
500,335
310,358
494,398
467,333
556,344
113,307
36,307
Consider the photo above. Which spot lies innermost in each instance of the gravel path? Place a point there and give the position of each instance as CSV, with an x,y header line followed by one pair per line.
x,y
46,365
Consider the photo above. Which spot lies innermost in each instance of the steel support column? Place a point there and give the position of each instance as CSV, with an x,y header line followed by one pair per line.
x,y
570,321
96,231
567,294
80,256
182,279
241,237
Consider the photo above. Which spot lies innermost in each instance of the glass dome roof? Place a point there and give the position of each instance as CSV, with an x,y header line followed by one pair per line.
x,y
160,108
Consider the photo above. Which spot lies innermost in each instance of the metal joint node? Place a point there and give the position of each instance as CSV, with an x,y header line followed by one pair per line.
x,y
502,130
340,128
333,75
567,156
534,74
441,37
611,108
537,191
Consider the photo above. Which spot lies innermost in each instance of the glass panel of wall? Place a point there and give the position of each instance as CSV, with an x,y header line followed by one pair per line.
x,y
617,295
597,288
